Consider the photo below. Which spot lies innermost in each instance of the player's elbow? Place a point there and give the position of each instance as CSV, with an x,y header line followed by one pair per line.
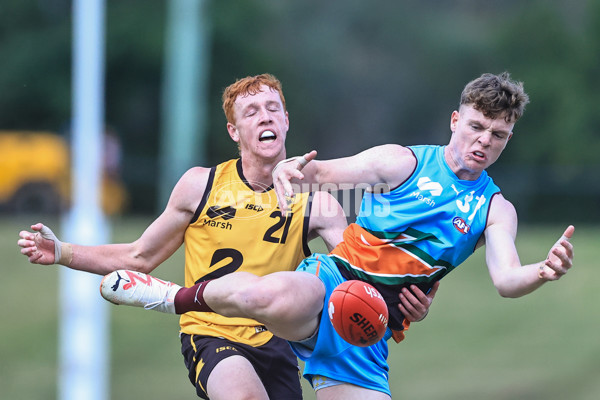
x,y
507,294
505,288
140,259
509,291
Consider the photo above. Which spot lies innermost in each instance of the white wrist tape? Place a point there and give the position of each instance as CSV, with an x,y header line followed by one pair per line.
x,y
60,257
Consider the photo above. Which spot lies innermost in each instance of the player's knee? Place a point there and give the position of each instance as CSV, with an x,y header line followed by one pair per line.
x,y
264,297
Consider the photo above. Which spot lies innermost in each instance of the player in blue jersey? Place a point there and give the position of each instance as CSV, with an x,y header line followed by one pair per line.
x,y
438,205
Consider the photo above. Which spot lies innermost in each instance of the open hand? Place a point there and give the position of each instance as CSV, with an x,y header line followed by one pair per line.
x,y
560,257
39,246
283,173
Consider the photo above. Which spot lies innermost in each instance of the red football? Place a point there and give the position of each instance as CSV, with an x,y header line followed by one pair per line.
x,y
358,313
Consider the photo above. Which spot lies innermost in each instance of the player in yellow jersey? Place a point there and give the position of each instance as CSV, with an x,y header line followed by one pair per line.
x,y
228,218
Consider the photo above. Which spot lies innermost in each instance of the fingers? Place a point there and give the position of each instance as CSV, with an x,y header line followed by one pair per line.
x,y
27,241
283,173
35,247
33,255
569,232
279,192
414,304
30,250
560,257
308,157
407,310
564,240
26,235
39,227
433,291
284,179
561,262
285,195
48,234
563,251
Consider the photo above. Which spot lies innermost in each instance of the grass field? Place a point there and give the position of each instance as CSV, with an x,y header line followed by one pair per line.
x,y
473,344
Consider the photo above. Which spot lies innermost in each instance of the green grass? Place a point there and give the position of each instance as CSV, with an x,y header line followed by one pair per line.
x,y
473,344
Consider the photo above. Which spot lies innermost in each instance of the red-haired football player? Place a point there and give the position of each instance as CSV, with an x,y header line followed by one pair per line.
x,y
227,216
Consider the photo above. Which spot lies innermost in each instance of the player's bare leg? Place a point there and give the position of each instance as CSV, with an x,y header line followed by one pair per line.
x,y
239,377
288,303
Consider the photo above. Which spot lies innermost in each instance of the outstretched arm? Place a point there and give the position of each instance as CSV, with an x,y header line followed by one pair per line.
x,y
142,255
387,164
510,278
159,241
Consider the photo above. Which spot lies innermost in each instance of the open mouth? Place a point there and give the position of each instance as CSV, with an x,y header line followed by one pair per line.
x,y
267,137
479,155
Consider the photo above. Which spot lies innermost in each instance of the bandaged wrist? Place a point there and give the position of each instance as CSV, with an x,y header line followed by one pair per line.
x,y
66,254
541,270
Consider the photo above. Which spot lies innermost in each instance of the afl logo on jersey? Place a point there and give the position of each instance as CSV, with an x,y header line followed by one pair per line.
x,y
461,225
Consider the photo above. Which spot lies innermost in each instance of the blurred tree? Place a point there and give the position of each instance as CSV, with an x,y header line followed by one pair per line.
x,y
558,127
238,50
356,74
35,51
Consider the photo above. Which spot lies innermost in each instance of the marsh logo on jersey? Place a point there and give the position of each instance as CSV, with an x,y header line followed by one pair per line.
x,y
224,212
214,212
461,225
425,183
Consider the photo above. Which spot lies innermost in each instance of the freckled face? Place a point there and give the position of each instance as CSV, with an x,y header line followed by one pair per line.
x,y
476,142
261,123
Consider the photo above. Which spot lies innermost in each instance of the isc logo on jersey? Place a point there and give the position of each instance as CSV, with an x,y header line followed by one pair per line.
x,y
257,202
461,225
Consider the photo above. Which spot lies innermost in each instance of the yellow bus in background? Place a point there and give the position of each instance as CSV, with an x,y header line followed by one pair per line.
x,y
35,175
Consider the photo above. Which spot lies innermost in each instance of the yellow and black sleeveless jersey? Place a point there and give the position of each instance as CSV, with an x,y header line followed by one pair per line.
x,y
236,228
